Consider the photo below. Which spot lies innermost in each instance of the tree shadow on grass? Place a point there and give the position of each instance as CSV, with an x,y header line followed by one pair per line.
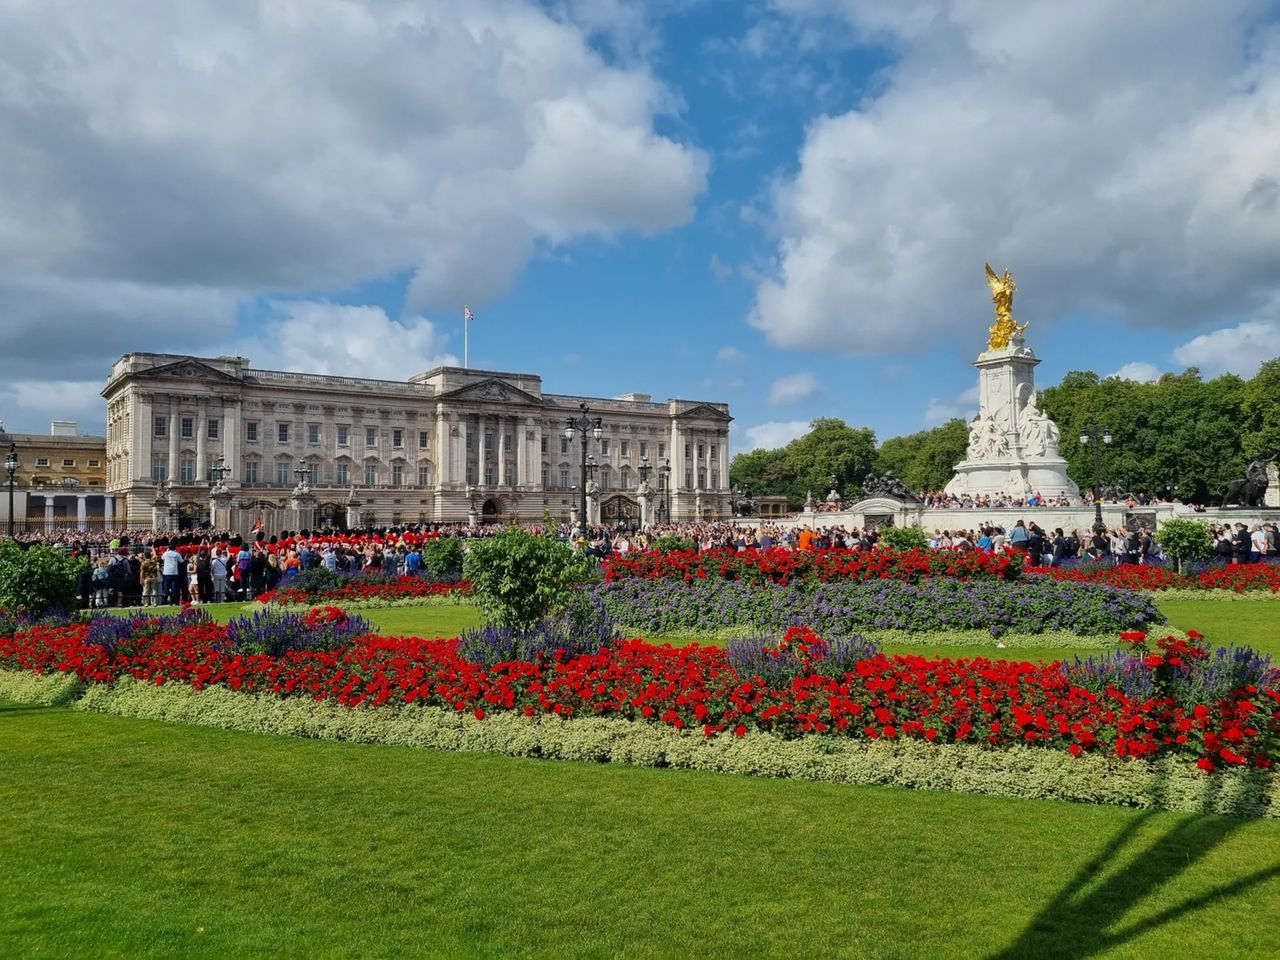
x,y
1087,916
7,709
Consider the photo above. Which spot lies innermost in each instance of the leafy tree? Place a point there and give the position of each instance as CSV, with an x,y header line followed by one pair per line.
x,y
1261,409
903,538
925,460
38,579
442,558
806,465
519,578
762,472
1184,538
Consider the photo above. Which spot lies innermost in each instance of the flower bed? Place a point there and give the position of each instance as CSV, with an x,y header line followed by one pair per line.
x,y
1238,578
781,566
1169,699
368,590
1031,606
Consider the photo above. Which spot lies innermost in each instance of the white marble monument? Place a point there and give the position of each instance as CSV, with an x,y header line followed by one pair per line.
x,y
1013,445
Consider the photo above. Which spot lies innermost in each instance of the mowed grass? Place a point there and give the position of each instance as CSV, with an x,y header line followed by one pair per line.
x,y
1254,623
136,838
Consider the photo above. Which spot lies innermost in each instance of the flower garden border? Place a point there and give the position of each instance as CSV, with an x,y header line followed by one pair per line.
x,y
1015,772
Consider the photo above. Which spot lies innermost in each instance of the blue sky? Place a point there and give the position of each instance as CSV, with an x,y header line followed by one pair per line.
x,y
782,204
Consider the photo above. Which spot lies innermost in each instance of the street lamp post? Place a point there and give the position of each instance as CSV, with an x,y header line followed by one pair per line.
x,y
583,425
645,470
11,468
1097,437
664,480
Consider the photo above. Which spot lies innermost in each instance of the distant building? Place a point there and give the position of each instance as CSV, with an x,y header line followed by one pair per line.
x,y
61,477
437,447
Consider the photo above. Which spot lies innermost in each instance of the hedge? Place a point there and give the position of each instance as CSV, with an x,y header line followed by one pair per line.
x,y
1010,772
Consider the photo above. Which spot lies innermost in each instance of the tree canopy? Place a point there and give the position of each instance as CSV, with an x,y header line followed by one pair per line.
x,y
1181,434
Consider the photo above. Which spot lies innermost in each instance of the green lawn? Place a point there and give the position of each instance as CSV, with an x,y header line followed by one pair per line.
x,y
1252,622
136,838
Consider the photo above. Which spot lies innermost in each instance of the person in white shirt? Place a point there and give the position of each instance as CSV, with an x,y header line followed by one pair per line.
x,y
219,570
170,571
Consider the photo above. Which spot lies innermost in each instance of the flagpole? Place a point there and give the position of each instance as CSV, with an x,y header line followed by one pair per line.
x,y
466,338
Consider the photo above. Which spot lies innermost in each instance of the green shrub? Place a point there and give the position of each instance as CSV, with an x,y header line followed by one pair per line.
x,y
903,538
317,580
442,558
519,578
1184,538
671,543
38,579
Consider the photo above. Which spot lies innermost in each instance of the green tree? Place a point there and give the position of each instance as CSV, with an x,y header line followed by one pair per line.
x,y
926,460
762,472
519,578
1184,538
1260,407
903,538
831,448
38,579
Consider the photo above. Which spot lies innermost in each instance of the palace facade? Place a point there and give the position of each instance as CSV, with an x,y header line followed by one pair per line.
x,y
450,444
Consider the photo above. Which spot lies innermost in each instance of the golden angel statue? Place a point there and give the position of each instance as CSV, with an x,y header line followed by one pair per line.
x,y
1005,328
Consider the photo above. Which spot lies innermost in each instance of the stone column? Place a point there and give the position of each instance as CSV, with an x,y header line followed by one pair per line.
x,y
172,474
522,450
108,510
81,512
202,427
1272,497
724,460
140,442
48,513
500,444
231,438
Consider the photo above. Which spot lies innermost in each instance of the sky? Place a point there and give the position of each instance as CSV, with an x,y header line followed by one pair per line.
x,y
784,205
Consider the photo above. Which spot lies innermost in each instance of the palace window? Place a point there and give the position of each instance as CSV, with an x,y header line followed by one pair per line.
x,y
370,436
564,444
212,429
397,438
186,470
508,442
488,476
161,427
188,428
545,471
624,478
604,446
159,468
715,479
714,448
370,474
68,463
251,430
688,451
343,435
424,476
488,440
424,439
471,473
702,479
644,448
42,461
343,476
397,476
94,463
564,479
688,479
282,432
313,433
702,452
544,444
625,448
469,440
662,450
282,471
251,473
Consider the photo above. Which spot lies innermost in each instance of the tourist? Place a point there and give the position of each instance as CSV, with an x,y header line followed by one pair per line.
x,y
149,571
1241,545
170,573
1018,537
218,574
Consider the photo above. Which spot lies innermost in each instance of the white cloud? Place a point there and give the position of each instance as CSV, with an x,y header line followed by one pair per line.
x,y
964,406
166,162
1126,166
720,270
774,434
793,388
29,405
1239,349
1139,371
730,355
321,337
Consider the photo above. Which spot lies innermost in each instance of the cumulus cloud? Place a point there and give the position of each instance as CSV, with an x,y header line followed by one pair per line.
x,y
1139,371
964,406
1124,165
1239,349
321,337
165,163
730,355
793,388
774,434
28,405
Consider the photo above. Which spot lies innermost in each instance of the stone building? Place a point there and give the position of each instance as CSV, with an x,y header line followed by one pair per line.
x,y
61,478
450,444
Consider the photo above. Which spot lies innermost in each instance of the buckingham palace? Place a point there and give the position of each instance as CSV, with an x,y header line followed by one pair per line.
x,y
186,434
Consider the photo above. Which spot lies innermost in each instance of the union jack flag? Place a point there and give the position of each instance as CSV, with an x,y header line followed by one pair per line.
x,y
467,314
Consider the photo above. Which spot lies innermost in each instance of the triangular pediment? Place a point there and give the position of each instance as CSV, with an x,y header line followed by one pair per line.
x,y
492,390
189,369
704,411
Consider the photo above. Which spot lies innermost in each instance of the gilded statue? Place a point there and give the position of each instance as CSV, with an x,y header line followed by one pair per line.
x,y
1005,328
